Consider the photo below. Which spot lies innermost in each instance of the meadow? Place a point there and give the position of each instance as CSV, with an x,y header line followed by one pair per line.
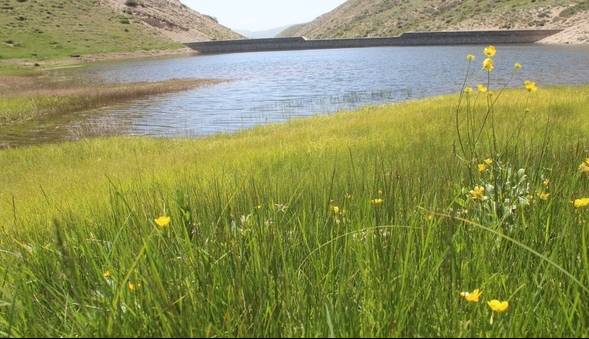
x,y
379,222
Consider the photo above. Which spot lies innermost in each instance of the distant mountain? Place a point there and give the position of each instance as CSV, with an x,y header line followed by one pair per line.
x,y
374,18
43,29
270,33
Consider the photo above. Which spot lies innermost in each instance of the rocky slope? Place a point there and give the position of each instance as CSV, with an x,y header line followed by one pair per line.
x,y
371,18
174,20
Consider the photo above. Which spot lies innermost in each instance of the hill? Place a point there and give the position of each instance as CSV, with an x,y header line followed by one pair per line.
x,y
53,28
373,18
175,20
292,31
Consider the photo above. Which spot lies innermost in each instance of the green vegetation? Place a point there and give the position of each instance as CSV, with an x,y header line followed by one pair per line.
x,y
370,18
17,70
363,223
41,29
61,98
572,10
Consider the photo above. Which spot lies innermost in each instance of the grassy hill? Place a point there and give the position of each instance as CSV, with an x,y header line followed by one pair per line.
x,y
40,29
371,18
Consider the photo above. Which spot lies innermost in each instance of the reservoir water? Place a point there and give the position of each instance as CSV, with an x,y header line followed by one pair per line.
x,y
276,86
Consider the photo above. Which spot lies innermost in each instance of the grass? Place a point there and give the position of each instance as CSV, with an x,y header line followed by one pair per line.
x,y
7,69
27,98
326,226
256,246
50,29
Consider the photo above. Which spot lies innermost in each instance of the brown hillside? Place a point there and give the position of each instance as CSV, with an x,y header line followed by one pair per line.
x,y
373,18
175,20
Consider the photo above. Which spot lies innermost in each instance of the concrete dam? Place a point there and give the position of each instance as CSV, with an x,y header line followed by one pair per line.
x,y
406,39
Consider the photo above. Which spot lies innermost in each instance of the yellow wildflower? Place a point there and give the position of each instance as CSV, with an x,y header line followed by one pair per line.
x,y
498,306
485,165
106,275
517,66
133,286
584,167
580,203
470,57
468,90
530,86
336,210
544,195
163,221
482,88
488,65
490,51
478,193
472,297
546,182
377,202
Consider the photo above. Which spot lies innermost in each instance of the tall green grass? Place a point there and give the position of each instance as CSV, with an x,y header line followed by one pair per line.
x,y
256,248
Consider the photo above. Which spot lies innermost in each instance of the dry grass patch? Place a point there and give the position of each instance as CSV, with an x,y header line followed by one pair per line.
x,y
27,98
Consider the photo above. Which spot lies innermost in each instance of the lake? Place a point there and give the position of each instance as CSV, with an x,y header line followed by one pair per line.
x,y
277,86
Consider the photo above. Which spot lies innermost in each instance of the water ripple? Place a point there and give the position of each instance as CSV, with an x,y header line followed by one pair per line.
x,y
277,86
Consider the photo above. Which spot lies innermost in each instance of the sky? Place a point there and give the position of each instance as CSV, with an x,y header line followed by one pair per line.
x,y
259,15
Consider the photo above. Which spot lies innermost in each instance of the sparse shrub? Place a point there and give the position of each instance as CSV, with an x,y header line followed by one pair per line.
x,y
132,3
571,11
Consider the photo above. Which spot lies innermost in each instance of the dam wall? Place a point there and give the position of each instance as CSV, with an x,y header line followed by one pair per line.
x,y
406,39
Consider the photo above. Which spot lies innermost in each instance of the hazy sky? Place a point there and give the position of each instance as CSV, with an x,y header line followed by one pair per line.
x,y
257,15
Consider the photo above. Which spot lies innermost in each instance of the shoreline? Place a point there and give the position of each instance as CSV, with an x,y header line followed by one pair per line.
x,y
28,67
110,134
36,100
31,67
